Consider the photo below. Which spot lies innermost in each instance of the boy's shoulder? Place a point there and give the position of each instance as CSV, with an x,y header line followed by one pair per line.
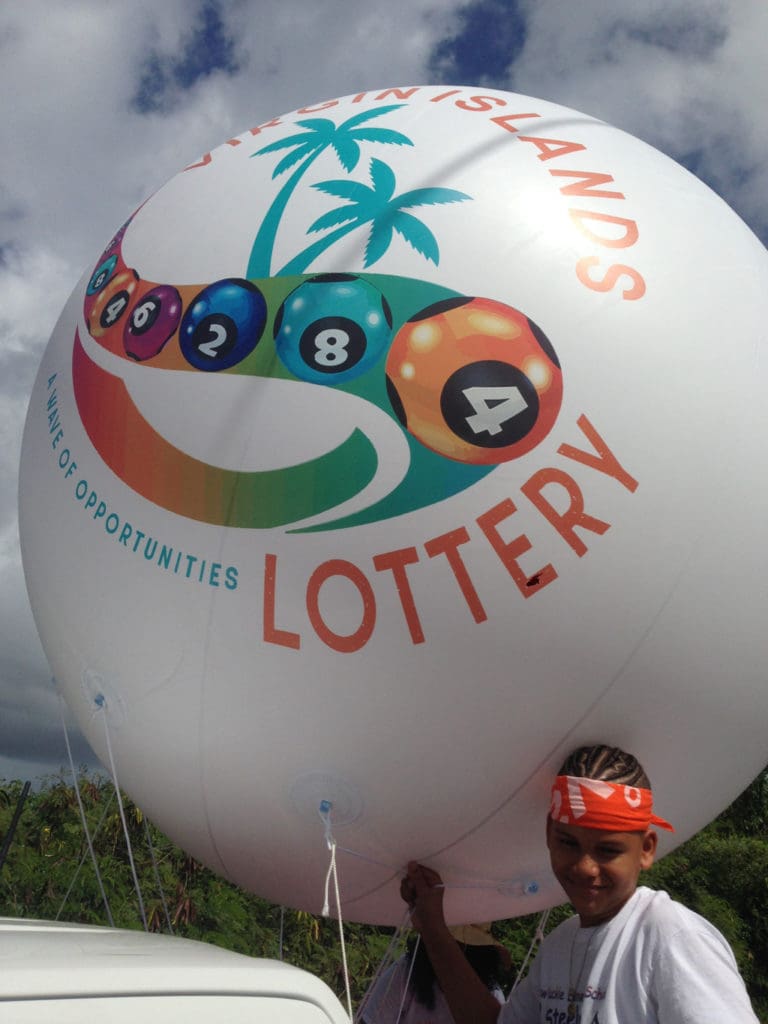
x,y
683,951
652,912
670,927
656,907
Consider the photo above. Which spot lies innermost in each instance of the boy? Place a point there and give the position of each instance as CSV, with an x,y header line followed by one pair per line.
x,y
630,955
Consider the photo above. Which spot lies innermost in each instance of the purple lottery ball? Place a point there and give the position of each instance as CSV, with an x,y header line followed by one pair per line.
x,y
152,322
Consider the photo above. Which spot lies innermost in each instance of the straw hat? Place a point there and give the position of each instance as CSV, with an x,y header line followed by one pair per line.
x,y
473,934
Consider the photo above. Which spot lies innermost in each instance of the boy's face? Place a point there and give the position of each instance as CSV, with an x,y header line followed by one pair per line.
x,y
598,870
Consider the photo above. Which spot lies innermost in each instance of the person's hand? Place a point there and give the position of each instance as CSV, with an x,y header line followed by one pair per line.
x,y
423,889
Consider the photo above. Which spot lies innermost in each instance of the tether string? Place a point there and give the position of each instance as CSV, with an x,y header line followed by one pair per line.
x,y
84,822
79,867
528,888
387,959
538,936
406,986
102,704
325,815
156,873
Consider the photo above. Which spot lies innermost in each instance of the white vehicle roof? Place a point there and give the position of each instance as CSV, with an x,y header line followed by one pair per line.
x,y
57,971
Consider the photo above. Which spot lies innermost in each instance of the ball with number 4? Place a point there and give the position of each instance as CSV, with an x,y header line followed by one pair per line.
x,y
474,380
332,328
112,302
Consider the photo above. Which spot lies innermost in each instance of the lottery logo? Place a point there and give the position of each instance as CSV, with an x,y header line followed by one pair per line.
x,y
311,401
375,417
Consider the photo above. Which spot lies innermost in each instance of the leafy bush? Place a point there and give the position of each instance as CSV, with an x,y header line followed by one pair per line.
x,y
722,873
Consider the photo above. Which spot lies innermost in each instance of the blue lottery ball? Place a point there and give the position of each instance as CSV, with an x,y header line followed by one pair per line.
x,y
223,324
101,275
332,328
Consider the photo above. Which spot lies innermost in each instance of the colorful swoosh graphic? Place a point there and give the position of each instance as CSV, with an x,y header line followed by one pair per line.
x,y
429,390
170,478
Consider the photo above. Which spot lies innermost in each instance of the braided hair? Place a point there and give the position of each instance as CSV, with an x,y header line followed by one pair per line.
x,y
606,764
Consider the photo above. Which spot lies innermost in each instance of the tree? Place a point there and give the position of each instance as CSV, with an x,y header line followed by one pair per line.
x,y
319,134
379,207
722,873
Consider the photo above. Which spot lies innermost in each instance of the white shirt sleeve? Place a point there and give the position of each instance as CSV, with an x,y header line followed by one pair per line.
x,y
695,980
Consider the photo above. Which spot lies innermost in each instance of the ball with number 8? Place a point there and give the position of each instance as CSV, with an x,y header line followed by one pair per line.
x,y
474,380
332,328
101,275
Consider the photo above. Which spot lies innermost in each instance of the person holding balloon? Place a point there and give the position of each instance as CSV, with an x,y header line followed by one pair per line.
x,y
408,992
630,954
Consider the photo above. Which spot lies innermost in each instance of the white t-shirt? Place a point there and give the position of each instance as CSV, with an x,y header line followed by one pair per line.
x,y
655,962
386,1001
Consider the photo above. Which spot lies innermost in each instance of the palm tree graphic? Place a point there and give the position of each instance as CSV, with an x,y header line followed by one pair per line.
x,y
318,135
379,207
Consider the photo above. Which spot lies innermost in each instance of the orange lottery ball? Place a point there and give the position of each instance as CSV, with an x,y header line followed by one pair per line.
x,y
112,303
474,380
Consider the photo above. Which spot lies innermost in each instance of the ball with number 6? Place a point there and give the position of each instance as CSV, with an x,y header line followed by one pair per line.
x,y
153,320
474,380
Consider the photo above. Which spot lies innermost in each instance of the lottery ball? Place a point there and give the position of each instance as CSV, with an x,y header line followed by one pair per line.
x,y
152,322
101,275
223,324
474,380
105,270
332,328
112,302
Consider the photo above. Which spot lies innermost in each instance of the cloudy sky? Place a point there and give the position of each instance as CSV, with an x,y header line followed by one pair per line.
x,y
103,101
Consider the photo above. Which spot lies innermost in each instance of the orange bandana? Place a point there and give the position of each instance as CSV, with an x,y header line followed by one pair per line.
x,y
610,806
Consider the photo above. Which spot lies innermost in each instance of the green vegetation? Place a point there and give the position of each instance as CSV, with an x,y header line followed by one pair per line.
x,y
722,873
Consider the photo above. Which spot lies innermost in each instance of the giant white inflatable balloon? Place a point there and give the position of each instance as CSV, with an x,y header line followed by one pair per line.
x,y
387,453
